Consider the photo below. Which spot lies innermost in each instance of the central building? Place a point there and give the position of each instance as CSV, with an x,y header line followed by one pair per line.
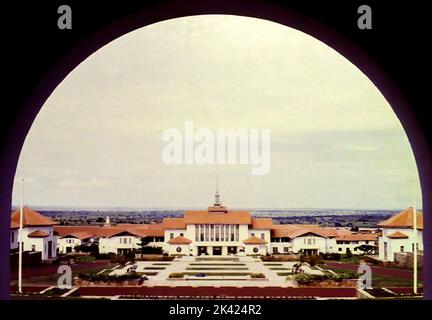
x,y
217,231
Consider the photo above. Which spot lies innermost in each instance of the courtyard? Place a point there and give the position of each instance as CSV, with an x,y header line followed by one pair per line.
x,y
218,271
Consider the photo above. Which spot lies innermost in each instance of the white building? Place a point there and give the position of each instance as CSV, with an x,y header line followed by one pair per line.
x,y
398,234
69,242
37,233
219,231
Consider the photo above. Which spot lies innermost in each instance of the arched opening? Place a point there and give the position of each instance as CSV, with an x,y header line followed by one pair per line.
x,y
31,109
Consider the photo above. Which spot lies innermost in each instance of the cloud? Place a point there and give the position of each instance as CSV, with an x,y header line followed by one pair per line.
x,y
335,140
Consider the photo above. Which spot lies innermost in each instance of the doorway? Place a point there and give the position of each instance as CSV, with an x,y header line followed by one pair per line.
x,y
217,251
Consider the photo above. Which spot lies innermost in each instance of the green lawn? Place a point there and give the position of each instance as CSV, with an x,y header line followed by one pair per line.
x,y
52,278
380,281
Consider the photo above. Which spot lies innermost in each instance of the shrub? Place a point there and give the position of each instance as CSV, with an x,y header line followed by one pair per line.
x,y
151,250
330,256
371,260
176,275
304,278
257,275
104,256
84,259
105,277
312,260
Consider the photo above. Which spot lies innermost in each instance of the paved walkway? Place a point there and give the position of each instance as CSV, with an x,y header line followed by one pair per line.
x,y
247,265
400,273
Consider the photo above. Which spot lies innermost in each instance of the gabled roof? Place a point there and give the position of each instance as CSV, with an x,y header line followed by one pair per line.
x,y
254,240
78,235
179,240
31,218
262,223
140,230
228,217
397,235
404,219
357,237
296,230
38,234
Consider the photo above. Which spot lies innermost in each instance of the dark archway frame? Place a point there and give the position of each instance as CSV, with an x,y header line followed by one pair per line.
x,y
176,9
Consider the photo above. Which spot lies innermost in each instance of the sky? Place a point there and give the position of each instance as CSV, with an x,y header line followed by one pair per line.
x,y
335,141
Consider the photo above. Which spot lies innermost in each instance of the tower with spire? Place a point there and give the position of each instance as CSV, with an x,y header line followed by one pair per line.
x,y
217,205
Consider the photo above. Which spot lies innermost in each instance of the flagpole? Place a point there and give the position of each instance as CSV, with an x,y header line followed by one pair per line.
x,y
415,242
20,238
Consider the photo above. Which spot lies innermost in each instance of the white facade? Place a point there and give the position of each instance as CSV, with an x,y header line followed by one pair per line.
x,y
46,245
389,246
216,239
119,244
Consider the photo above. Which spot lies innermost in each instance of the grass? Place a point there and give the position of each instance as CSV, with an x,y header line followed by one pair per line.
x,y
284,274
52,278
380,281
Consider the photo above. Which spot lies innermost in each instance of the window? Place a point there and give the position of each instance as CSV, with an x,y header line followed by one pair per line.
x,y
262,236
217,233
402,249
252,234
286,249
181,234
130,240
255,249
339,249
33,247
178,249
275,250
13,236
171,235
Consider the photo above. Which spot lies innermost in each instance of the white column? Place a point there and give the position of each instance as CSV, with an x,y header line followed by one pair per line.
x,y
20,238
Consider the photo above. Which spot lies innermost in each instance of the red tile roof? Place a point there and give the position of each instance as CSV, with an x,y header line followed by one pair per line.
x,y
31,218
179,240
404,219
140,230
357,237
262,223
254,240
296,230
174,223
206,217
38,234
78,235
397,235
14,225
